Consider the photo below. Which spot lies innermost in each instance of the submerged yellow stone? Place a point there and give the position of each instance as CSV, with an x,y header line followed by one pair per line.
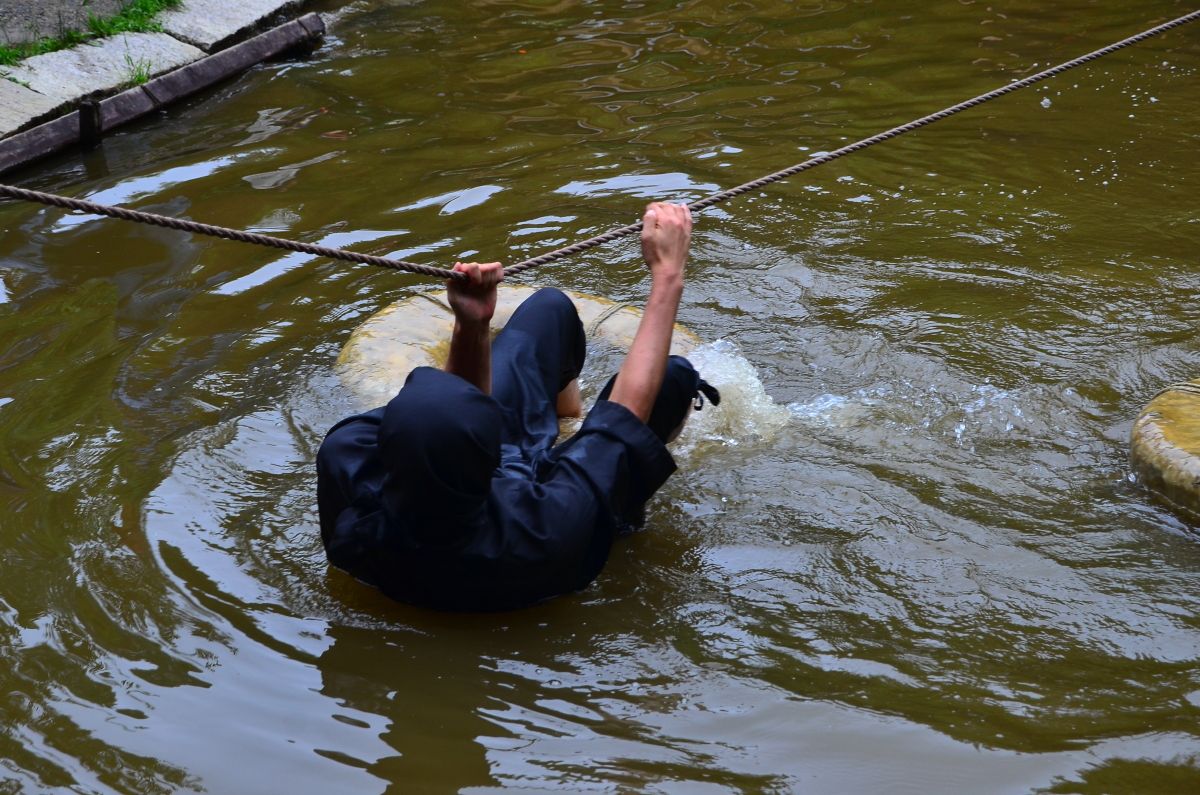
x,y
415,331
1165,447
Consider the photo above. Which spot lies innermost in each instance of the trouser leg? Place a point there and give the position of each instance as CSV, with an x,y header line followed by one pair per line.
x,y
540,351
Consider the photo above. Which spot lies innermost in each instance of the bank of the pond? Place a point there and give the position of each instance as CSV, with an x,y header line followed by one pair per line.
x,y
44,98
26,22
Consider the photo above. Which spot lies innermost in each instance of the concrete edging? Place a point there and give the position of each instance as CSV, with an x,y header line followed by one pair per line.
x,y
71,129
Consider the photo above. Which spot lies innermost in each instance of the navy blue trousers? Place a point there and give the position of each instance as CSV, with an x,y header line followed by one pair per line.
x,y
545,337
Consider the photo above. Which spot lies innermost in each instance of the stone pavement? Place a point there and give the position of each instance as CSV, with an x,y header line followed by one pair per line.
x,y
45,86
29,20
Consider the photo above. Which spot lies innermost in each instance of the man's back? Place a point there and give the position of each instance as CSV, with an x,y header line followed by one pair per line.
x,y
544,527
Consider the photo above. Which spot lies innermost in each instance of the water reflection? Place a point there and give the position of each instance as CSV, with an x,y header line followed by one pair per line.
x,y
433,692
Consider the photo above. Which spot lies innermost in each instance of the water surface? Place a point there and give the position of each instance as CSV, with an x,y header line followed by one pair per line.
x,y
918,564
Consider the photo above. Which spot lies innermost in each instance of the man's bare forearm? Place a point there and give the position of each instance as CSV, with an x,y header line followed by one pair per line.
x,y
473,301
666,236
471,354
641,375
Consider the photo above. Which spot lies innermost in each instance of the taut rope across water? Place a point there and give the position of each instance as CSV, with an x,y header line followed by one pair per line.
x,y
125,214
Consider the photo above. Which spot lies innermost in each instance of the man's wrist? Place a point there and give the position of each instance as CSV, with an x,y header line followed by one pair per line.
x,y
472,327
664,279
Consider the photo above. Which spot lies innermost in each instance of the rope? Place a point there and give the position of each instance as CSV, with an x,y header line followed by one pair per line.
x,y
1190,387
220,231
603,316
724,195
583,245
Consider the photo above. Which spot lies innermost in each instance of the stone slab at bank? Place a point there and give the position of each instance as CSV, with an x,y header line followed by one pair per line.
x,y
24,21
44,86
51,102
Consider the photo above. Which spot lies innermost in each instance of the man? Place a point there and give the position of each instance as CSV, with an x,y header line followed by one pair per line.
x,y
454,496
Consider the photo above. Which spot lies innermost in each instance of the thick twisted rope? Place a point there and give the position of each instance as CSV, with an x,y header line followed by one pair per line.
x,y
583,245
219,231
1188,387
716,198
603,316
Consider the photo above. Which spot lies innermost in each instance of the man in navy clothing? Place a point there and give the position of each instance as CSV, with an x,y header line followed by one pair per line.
x,y
454,495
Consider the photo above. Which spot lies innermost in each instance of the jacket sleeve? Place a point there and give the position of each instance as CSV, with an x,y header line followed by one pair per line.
x,y
620,456
347,469
558,529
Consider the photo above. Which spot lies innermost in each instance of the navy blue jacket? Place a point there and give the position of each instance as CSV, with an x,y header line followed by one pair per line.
x,y
544,528
454,499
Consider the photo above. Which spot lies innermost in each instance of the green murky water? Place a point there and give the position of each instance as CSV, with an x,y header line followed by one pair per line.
x,y
934,575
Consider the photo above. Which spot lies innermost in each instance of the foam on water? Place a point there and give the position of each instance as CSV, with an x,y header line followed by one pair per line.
x,y
834,410
960,411
950,409
747,413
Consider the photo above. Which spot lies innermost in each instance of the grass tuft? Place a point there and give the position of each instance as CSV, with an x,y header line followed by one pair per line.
x,y
137,17
139,70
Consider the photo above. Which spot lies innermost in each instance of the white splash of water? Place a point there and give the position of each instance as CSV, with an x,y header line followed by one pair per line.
x,y
747,413
835,410
963,412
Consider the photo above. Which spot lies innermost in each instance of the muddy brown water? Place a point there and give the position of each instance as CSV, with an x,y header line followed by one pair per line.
x,y
929,571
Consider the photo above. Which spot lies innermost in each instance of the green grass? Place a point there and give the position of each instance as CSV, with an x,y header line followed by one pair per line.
x,y
137,17
139,70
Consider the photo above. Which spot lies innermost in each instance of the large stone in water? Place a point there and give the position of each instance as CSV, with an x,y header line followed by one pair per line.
x,y
415,332
1165,447
66,76
212,24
